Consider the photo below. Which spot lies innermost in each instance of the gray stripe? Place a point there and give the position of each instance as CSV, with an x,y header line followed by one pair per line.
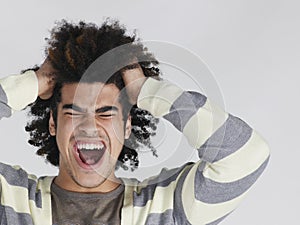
x,y
34,193
8,217
165,218
184,107
20,178
16,177
5,110
163,180
211,192
218,220
179,215
230,137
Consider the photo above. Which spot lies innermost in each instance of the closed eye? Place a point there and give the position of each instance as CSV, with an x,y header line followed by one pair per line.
x,y
107,111
106,115
73,110
73,114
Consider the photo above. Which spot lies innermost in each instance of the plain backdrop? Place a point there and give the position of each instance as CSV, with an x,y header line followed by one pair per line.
x,y
252,49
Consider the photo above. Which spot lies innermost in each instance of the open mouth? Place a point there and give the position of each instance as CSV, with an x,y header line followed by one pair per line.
x,y
90,153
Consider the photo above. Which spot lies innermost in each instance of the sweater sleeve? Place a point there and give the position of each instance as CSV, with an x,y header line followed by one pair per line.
x,y
231,154
16,92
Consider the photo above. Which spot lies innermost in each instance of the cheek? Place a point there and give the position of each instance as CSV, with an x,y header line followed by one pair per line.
x,y
63,132
118,131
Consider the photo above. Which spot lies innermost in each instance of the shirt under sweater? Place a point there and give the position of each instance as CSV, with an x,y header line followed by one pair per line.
x,y
86,208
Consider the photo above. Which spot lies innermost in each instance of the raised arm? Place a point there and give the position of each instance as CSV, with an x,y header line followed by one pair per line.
x,y
232,155
17,91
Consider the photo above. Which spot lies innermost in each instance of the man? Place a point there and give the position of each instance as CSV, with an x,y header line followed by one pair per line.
x,y
82,119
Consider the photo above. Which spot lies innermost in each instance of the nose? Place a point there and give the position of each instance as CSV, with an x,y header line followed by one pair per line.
x,y
88,126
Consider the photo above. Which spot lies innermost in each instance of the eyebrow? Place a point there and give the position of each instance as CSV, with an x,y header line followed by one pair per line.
x,y
73,107
99,110
107,108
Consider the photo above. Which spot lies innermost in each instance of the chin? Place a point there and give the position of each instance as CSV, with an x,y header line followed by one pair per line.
x,y
89,182
95,178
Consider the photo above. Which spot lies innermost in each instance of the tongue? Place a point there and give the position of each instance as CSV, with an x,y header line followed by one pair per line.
x,y
90,157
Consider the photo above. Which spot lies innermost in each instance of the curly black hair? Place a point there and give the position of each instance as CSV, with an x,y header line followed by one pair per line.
x,y
71,49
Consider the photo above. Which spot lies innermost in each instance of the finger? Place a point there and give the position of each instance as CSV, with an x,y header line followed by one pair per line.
x,y
130,75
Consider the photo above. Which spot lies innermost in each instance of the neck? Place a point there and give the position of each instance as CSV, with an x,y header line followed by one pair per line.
x,y
107,185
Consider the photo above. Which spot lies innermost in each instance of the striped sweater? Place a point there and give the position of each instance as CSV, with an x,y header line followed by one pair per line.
x,y
231,158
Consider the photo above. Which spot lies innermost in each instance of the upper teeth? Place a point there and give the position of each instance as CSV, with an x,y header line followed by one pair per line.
x,y
90,146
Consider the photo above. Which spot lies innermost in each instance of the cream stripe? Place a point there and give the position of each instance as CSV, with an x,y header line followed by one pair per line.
x,y
208,119
161,202
17,167
32,177
241,163
201,213
21,204
158,93
17,202
44,217
127,209
20,90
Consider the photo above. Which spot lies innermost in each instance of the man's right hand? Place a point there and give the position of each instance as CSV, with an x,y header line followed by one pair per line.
x,y
134,79
46,79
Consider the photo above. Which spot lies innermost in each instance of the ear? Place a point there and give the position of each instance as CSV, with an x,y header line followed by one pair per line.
x,y
128,127
52,129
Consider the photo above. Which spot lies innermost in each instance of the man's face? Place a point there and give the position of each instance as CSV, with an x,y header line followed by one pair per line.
x,y
90,133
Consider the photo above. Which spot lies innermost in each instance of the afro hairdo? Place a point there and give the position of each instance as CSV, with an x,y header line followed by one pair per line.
x,y
71,49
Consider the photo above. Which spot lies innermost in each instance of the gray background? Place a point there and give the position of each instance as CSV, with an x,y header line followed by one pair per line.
x,y
252,47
